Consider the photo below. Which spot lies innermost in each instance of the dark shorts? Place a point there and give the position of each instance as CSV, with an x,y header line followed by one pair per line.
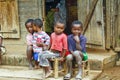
x,y
35,56
85,56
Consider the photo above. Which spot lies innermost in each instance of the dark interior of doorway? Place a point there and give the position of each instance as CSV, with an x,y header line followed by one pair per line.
x,y
50,5
71,12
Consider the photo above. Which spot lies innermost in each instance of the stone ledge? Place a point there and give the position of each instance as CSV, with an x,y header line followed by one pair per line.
x,y
17,72
14,60
97,61
101,61
117,63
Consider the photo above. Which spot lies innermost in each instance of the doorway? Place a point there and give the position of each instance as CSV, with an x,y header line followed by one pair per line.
x,y
72,14
67,11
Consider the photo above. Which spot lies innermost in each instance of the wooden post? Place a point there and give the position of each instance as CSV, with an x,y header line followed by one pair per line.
x,y
107,25
56,68
42,11
88,17
83,69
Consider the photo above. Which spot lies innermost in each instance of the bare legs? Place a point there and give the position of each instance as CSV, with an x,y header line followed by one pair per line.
x,y
69,59
29,56
78,56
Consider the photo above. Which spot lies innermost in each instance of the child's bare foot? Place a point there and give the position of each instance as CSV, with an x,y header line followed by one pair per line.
x,y
30,66
48,73
37,67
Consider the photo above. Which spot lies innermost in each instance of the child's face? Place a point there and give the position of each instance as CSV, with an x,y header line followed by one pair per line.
x,y
59,28
29,27
76,29
34,28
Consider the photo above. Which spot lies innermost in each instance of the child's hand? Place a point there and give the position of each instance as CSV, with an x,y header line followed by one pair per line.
x,y
40,44
77,39
61,59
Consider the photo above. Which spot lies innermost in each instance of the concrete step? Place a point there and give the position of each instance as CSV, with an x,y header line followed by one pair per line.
x,y
14,60
101,60
117,63
19,72
22,73
15,55
98,59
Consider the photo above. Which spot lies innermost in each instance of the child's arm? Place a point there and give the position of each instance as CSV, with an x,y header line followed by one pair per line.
x,y
78,47
65,47
50,43
46,44
63,55
80,44
29,40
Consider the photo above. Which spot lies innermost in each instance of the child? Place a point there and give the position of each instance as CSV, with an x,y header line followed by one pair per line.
x,y
58,47
40,40
29,27
77,48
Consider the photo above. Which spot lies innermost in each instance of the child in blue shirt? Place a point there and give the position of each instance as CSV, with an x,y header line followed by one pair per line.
x,y
77,48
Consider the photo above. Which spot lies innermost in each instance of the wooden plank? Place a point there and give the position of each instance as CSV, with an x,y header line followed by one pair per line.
x,y
112,29
119,22
117,26
88,17
97,29
81,11
108,26
94,31
9,21
41,12
115,22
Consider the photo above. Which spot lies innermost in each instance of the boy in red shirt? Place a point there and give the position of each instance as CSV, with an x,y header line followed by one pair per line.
x,y
58,47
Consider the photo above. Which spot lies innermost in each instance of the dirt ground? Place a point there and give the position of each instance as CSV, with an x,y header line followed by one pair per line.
x,y
110,74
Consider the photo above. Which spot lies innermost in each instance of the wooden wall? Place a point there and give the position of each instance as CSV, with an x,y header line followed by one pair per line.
x,y
118,23
92,14
103,27
26,9
112,24
9,23
103,20
115,24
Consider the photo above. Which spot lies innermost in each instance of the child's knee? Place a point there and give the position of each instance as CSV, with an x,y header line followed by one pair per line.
x,y
29,48
69,57
76,53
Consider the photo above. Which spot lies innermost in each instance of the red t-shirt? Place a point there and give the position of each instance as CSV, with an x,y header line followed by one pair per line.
x,y
59,42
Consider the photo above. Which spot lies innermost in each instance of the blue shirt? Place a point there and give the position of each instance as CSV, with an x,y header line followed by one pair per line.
x,y
72,43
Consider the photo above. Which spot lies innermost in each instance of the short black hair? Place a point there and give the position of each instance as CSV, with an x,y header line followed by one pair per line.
x,y
59,21
38,22
77,22
29,21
